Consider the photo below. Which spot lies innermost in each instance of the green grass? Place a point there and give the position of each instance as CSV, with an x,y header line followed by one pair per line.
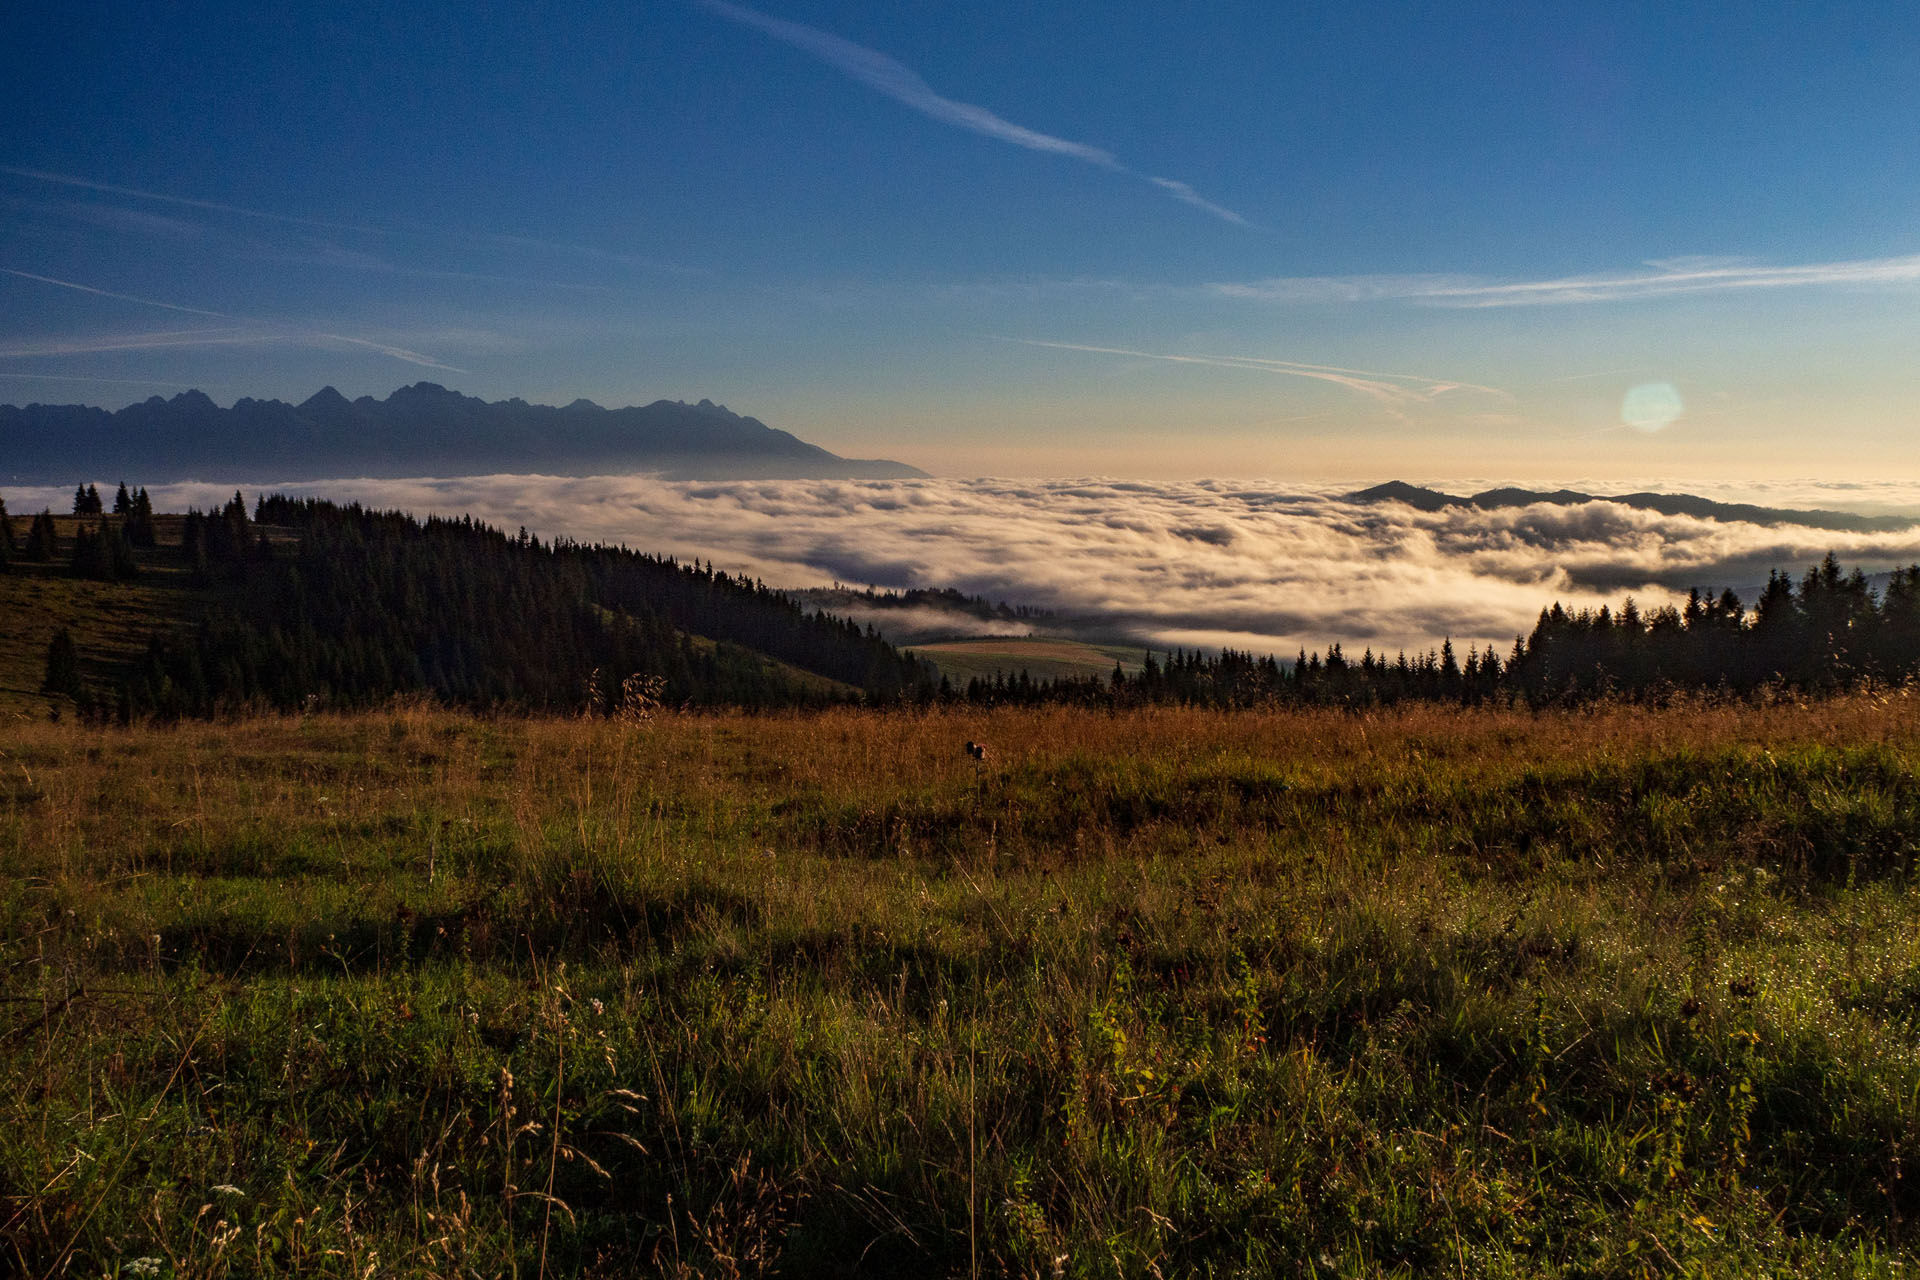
x,y
1432,993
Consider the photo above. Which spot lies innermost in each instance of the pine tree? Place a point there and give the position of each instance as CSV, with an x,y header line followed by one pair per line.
x,y
120,562
236,530
123,501
90,555
63,666
41,538
140,529
193,546
80,500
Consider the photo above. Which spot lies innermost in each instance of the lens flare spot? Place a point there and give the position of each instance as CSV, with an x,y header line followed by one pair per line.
x,y
1651,406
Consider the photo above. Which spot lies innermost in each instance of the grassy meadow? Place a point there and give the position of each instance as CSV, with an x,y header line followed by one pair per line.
x,y
1618,992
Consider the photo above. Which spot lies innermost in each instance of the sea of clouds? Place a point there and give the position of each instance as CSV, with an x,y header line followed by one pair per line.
x,y
1209,563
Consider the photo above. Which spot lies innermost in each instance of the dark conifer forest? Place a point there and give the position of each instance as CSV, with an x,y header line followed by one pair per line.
x,y
333,605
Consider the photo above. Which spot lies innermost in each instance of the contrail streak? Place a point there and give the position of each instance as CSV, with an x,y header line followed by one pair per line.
x,y
1385,387
284,329
904,85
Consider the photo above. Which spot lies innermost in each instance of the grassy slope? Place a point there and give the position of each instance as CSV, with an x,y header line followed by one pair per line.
x,y
111,622
1614,993
812,682
1040,658
798,677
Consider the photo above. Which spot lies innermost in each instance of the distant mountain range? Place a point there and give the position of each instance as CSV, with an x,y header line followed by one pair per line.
x,y
424,429
1671,504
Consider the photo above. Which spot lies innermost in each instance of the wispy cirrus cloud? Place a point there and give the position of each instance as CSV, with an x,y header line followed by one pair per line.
x,y
15,376
131,342
328,254
1394,390
388,349
116,218
118,297
264,330
906,86
185,202
129,219
1357,288
1187,195
1661,278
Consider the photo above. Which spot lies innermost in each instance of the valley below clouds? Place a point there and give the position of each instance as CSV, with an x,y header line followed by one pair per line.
x,y
1253,566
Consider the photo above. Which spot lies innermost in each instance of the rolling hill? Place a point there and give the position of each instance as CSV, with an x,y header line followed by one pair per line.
x,y
1669,504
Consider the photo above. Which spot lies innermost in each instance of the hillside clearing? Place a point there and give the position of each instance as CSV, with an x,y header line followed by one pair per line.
x,y
1041,658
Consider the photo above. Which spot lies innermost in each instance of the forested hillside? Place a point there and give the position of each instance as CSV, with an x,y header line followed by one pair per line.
x,y
308,603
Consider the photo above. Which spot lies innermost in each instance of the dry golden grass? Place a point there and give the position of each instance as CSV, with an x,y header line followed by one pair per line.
x,y
1429,991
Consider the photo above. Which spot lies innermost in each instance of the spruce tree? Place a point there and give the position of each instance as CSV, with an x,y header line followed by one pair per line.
x,y
41,538
120,562
123,501
193,546
140,529
90,556
63,666
80,499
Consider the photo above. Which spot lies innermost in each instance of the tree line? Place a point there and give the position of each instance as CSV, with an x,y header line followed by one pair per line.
x,y
1830,631
103,546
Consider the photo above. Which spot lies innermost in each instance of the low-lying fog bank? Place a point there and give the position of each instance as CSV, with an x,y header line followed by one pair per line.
x,y
1251,565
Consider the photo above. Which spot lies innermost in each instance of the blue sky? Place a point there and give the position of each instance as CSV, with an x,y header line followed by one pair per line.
x,y
1290,241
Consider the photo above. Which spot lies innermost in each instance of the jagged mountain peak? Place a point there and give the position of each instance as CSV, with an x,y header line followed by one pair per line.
x,y
326,397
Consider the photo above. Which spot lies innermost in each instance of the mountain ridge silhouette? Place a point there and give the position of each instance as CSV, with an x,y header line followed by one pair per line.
x,y
419,429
